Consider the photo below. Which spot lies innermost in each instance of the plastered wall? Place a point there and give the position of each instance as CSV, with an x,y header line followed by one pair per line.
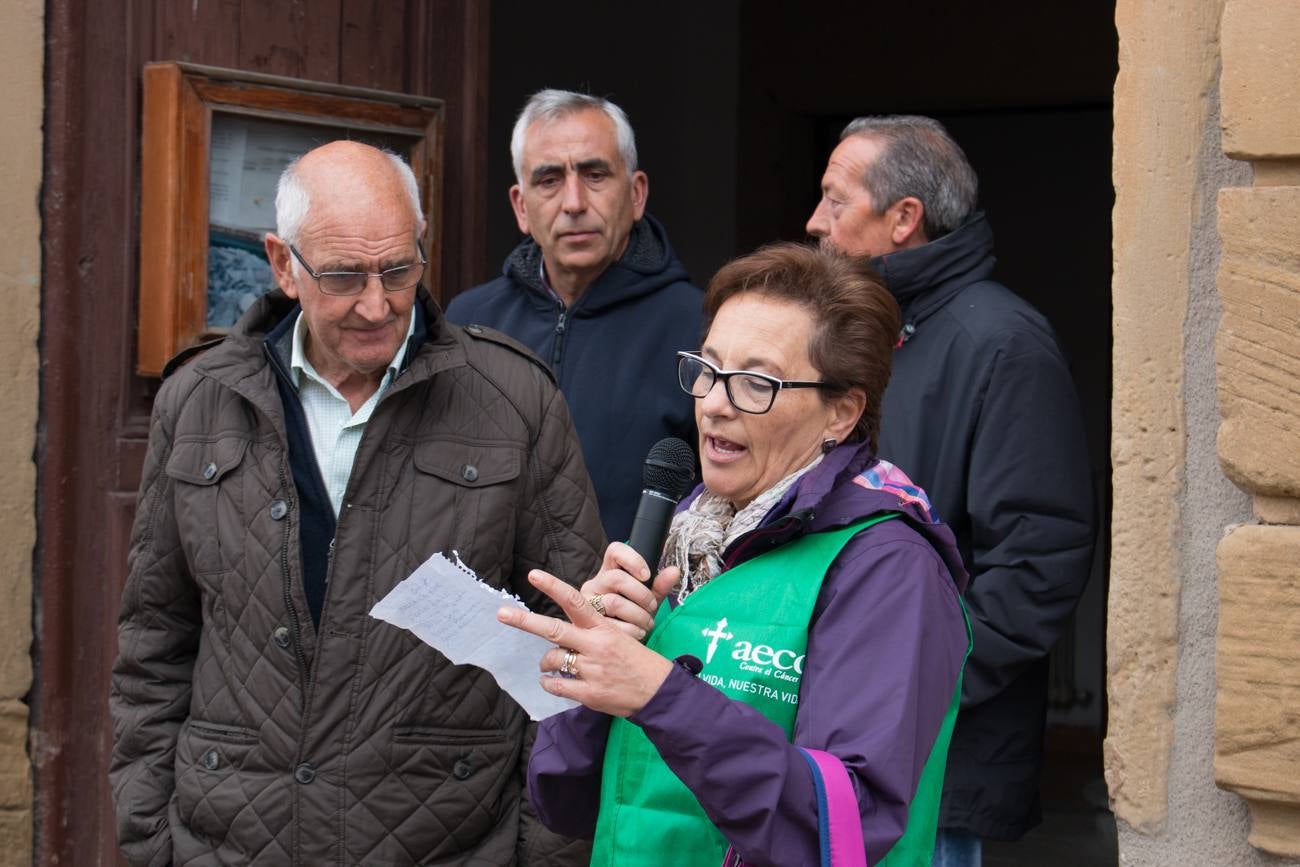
x,y
21,103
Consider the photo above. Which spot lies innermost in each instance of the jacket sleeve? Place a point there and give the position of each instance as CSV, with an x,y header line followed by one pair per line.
x,y
559,527
562,534
158,635
565,769
884,653
1032,518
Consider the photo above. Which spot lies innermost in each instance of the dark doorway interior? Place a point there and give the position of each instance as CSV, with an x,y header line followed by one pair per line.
x,y
736,106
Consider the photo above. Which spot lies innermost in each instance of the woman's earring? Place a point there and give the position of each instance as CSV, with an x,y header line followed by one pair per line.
x,y
828,446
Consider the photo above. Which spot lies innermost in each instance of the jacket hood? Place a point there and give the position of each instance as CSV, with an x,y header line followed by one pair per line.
x,y
647,264
924,278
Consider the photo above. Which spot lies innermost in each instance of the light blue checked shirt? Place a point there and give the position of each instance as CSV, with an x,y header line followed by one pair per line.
x,y
335,429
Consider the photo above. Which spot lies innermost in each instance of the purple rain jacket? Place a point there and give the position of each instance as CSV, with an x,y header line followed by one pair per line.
x,y
885,647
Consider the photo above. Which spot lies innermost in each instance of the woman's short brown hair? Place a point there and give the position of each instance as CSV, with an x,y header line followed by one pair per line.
x,y
855,319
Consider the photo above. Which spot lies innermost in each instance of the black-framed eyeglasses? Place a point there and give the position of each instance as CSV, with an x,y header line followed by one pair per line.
x,y
748,390
397,279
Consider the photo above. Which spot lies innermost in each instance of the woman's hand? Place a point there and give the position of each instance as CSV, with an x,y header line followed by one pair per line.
x,y
618,590
608,670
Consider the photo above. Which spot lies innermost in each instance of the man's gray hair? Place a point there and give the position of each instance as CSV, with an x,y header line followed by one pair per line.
x,y
292,201
918,158
552,105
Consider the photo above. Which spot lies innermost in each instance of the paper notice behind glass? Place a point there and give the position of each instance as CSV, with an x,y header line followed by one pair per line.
x,y
449,609
244,166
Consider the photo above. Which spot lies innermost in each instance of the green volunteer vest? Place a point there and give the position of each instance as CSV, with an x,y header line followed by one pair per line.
x,y
749,626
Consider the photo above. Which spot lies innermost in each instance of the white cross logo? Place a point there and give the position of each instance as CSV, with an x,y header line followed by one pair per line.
x,y
715,634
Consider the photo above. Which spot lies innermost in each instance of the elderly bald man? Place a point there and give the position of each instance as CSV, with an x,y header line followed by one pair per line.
x,y
341,434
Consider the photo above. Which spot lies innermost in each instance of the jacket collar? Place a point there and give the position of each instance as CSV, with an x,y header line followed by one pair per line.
x,y
923,279
260,344
279,342
826,498
647,264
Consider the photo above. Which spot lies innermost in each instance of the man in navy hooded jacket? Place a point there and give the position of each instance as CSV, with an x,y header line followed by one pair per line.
x,y
981,411
596,290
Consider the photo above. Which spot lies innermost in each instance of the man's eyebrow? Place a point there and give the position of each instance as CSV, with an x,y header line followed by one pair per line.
x,y
595,163
543,170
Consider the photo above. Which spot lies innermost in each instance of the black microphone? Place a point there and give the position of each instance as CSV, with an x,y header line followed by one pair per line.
x,y
667,476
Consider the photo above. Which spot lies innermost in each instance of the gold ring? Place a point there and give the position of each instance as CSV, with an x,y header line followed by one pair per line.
x,y
568,667
597,603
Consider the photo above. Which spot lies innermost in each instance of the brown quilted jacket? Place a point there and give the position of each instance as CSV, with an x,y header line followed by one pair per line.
x,y
244,735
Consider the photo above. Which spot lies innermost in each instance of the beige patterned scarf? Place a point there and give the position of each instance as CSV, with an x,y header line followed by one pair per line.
x,y
699,535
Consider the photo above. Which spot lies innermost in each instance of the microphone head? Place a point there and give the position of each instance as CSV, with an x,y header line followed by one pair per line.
x,y
669,468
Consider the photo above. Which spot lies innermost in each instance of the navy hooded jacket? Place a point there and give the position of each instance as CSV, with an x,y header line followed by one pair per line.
x,y
612,353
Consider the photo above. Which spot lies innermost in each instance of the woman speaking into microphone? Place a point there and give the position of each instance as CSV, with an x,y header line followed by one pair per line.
x,y
794,701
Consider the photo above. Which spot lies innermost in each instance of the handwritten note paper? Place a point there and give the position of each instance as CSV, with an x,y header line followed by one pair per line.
x,y
449,609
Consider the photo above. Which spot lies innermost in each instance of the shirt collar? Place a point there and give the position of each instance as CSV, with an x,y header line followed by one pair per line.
x,y
300,364
546,284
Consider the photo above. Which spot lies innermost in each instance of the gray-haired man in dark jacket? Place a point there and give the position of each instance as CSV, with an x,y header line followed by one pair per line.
x,y
982,411
595,290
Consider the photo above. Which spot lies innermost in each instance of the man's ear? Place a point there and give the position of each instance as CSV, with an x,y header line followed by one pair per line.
x,y
277,253
907,222
640,194
520,209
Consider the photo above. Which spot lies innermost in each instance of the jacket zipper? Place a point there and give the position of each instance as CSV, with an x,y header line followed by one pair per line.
x,y
286,584
799,521
558,351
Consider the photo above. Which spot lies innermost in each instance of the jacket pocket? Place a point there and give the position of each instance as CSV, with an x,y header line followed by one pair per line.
x,y
470,465
205,461
441,777
215,771
466,497
220,733
434,735
209,499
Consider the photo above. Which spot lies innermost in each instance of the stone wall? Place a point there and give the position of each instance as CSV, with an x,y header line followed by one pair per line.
x,y
21,106
1176,611
1257,745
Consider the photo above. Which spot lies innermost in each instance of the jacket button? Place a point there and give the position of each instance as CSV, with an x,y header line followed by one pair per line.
x,y
469,473
210,760
474,329
304,773
209,470
462,769
281,636
279,509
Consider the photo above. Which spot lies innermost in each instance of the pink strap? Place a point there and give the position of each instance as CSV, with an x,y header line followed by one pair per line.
x,y
843,816
840,821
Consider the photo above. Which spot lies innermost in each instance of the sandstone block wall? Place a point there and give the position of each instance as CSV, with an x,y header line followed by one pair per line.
x,y
1201,634
1160,110
21,106
1257,720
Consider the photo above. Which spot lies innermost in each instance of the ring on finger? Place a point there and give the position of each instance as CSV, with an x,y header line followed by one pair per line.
x,y
569,665
598,603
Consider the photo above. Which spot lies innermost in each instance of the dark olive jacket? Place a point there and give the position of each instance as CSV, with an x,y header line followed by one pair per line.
x,y
246,734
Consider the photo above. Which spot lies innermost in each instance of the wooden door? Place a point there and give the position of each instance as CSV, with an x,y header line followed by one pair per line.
x,y
95,411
